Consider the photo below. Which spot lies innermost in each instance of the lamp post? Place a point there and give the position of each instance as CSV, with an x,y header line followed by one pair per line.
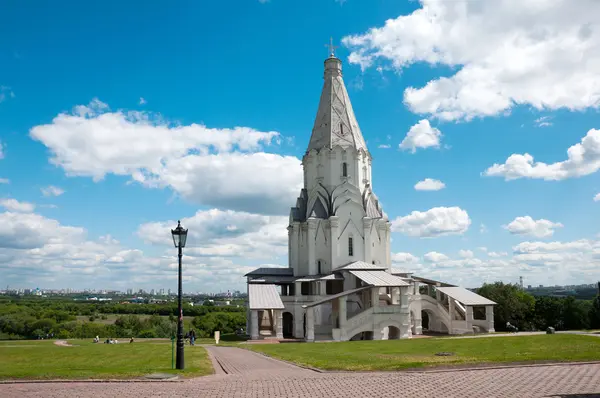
x,y
179,238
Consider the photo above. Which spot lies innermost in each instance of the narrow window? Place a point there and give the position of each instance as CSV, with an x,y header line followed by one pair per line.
x,y
373,262
319,267
350,248
341,129
345,169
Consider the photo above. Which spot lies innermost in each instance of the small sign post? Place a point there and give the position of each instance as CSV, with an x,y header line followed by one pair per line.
x,y
217,336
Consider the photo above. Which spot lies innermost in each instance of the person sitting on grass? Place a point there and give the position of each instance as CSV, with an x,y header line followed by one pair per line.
x,y
131,340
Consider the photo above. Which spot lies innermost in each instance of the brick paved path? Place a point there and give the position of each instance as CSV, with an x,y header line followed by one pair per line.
x,y
256,376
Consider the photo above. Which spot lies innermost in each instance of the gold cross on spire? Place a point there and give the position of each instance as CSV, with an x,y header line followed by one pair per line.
x,y
331,47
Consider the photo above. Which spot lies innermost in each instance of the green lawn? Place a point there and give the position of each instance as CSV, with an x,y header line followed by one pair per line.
x,y
45,360
416,353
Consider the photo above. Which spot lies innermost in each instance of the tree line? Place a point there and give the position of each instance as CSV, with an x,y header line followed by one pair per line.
x,y
528,312
33,319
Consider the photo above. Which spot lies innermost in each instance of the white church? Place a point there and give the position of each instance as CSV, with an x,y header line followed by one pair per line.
x,y
339,284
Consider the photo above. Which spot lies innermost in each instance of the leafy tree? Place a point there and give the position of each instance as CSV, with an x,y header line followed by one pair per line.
x,y
513,305
594,313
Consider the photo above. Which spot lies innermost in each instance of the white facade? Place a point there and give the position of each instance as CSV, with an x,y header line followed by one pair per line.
x,y
340,284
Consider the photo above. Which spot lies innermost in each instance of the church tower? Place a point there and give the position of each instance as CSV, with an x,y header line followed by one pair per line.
x,y
337,219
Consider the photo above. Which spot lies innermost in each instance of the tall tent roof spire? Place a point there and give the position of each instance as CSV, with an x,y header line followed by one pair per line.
x,y
335,124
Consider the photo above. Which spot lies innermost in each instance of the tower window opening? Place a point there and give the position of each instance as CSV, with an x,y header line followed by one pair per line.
x,y
350,247
319,267
341,129
344,169
373,262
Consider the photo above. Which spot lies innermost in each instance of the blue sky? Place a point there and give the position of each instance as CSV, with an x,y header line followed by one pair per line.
x,y
201,110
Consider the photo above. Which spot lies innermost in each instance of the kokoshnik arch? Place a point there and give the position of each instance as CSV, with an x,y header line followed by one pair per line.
x,y
339,284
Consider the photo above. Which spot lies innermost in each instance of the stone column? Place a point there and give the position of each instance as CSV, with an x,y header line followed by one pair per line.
x,y
254,325
395,295
489,317
451,309
388,228
310,325
469,318
343,311
334,224
279,324
367,222
312,234
375,298
403,297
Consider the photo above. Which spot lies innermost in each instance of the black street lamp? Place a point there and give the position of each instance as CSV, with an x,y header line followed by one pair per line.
x,y
179,238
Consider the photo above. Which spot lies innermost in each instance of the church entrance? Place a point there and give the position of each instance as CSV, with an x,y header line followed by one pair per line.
x,y
288,325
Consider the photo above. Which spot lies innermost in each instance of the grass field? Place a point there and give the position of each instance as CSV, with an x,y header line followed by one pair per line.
x,y
45,360
416,353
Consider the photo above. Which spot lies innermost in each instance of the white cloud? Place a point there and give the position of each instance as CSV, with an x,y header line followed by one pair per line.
x,y
38,251
15,205
541,228
438,221
2,147
403,258
597,197
143,101
51,190
435,257
225,234
6,92
497,254
482,229
466,253
384,146
582,159
543,121
429,184
4,181
499,57
421,135
214,167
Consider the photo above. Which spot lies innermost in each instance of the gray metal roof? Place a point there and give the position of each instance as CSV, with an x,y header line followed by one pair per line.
x,y
270,271
358,265
333,297
274,279
465,296
264,297
330,277
379,278
431,281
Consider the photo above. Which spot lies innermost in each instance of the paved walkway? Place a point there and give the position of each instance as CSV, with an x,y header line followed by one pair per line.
x,y
243,373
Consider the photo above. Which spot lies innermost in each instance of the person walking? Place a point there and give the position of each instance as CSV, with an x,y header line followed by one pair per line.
x,y
192,337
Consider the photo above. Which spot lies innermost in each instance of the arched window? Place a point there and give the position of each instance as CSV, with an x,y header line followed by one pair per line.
x,y
350,247
319,267
344,169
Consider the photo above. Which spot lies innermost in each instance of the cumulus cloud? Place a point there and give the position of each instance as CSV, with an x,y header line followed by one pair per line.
x,y
15,205
466,253
39,251
597,198
51,190
582,159
421,135
435,257
541,228
225,234
499,58
143,101
384,146
543,121
4,181
225,168
403,258
429,184
438,221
